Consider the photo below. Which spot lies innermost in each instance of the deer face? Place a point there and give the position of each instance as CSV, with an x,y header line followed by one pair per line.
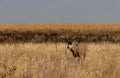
x,y
73,47
71,40
72,44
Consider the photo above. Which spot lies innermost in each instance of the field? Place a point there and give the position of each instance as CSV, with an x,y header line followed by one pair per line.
x,y
52,59
40,33
55,61
82,27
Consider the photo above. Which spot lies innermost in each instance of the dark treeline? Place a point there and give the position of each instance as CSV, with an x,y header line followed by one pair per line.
x,y
58,36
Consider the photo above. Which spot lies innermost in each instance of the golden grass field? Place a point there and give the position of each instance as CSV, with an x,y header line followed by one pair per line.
x,y
32,27
54,60
50,60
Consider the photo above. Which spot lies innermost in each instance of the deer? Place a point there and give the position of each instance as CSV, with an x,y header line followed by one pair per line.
x,y
77,49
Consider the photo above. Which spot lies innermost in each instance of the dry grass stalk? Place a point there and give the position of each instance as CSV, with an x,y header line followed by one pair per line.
x,y
44,61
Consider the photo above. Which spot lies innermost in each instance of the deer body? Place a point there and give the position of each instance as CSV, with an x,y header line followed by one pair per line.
x,y
78,49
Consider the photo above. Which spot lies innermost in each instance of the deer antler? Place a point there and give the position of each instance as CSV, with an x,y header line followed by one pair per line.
x,y
65,36
77,35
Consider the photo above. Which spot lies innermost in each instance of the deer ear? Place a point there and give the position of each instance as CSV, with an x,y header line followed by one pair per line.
x,y
76,43
64,39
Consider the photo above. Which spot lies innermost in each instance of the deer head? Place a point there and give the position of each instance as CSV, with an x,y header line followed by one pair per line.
x,y
72,40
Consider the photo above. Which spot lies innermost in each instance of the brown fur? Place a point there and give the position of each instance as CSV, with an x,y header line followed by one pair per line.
x,y
78,50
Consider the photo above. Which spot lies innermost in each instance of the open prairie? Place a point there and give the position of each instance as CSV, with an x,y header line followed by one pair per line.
x,y
38,33
50,60
34,27
39,51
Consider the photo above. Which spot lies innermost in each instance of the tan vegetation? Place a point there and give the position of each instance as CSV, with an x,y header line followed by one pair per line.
x,y
84,27
38,51
51,60
49,35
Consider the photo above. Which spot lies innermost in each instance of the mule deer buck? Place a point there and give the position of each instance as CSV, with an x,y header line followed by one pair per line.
x,y
78,49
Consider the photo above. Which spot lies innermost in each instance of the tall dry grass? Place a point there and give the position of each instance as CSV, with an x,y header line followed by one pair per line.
x,y
50,60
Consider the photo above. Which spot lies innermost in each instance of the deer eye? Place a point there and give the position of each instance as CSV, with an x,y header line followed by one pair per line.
x,y
70,43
